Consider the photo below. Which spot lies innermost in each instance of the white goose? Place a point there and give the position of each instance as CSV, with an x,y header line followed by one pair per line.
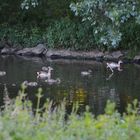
x,y
44,68
32,84
44,74
2,73
113,65
86,73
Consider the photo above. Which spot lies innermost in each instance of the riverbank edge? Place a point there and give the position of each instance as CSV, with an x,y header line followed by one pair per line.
x,y
42,50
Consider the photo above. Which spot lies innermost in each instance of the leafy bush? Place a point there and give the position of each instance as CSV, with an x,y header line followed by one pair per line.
x,y
28,37
33,12
69,34
130,36
17,122
107,17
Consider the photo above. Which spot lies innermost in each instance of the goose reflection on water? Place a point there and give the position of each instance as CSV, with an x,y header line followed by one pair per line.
x,y
110,76
53,81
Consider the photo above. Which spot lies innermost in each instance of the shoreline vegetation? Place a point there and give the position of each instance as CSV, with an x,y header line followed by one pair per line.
x,y
17,121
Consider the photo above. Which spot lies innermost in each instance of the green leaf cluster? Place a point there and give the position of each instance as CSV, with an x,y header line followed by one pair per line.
x,y
27,37
69,34
107,17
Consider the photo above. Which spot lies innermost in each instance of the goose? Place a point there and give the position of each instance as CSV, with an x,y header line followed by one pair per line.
x,y
32,84
53,81
86,73
44,74
44,68
113,65
2,73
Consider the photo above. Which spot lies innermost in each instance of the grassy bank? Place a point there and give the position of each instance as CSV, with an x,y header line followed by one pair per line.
x,y
18,122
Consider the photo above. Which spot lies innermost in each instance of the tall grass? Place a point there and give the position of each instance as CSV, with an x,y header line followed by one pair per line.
x,y
18,122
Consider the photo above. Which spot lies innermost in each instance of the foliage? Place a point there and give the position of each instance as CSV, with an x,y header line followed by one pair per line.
x,y
105,24
26,4
28,37
107,17
130,36
69,34
17,121
33,12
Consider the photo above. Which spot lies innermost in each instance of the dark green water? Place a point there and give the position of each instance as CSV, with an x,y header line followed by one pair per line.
x,y
92,90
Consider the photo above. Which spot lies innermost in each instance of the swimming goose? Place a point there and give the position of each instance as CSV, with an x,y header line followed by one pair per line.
x,y
32,84
53,81
2,73
44,74
44,68
85,73
113,65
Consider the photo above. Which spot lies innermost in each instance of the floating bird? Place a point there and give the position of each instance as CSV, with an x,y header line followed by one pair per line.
x,y
44,74
86,73
2,73
32,84
53,81
44,68
13,84
113,65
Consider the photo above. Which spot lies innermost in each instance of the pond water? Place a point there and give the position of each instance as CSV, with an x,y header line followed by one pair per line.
x,y
94,90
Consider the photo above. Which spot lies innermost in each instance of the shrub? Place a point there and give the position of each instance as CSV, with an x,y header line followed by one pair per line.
x,y
69,34
130,36
107,17
28,37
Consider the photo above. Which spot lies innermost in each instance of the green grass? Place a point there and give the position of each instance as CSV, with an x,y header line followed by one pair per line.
x,y
18,122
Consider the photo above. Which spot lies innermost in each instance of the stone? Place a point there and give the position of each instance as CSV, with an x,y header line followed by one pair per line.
x,y
25,51
108,57
8,50
137,59
55,54
112,56
117,54
39,50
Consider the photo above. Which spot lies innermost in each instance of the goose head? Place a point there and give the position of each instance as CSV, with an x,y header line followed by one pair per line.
x,y
120,62
50,68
